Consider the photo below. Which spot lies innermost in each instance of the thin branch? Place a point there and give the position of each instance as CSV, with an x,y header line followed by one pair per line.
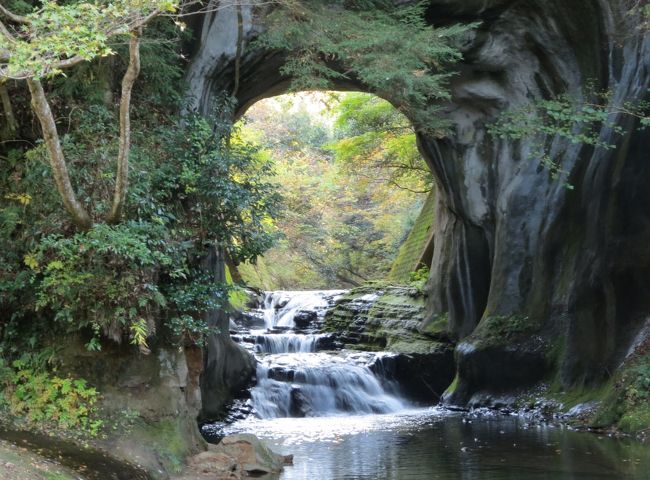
x,y
216,7
6,33
12,124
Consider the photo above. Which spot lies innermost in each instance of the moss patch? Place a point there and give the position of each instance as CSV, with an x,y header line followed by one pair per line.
x,y
627,403
437,325
165,438
410,253
502,329
453,387
382,316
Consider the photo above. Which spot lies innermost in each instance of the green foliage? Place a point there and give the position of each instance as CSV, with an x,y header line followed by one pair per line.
x,y
191,186
42,399
420,276
226,181
102,278
627,404
638,389
577,121
374,140
60,31
389,49
190,301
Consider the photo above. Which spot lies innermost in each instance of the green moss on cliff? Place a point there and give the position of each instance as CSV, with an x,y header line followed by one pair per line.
x,y
502,329
166,439
453,387
627,404
410,253
437,325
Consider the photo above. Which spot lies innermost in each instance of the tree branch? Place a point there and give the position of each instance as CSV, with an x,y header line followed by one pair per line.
x,y
55,153
122,177
6,33
12,16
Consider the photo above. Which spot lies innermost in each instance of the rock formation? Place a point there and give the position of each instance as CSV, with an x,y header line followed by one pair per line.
x,y
516,254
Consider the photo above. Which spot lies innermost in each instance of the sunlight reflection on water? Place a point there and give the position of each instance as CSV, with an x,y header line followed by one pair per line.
x,y
292,431
433,443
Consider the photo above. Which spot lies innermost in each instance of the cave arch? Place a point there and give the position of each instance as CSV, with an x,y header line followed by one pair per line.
x,y
509,240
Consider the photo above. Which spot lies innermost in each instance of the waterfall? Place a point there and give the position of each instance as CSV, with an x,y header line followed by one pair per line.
x,y
307,374
318,384
281,307
286,343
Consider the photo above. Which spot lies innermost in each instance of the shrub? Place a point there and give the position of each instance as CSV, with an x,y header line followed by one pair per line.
x,y
42,398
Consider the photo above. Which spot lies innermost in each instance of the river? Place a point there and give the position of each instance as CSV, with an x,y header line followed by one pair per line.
x,y
341,420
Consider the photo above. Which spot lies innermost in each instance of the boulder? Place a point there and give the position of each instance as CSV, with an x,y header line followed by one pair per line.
x,y
249,454
305,319
235,457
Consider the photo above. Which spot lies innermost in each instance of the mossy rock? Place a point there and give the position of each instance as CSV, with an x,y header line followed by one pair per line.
x,y
384,316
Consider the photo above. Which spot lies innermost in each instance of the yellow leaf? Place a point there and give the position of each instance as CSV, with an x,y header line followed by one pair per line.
x,y
30,261
23,198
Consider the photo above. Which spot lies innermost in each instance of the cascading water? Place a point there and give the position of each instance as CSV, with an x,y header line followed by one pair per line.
x,y
282,307
318,384
302,373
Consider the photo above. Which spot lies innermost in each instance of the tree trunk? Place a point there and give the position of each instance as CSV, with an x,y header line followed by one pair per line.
x,y
11,125
122,178
57,160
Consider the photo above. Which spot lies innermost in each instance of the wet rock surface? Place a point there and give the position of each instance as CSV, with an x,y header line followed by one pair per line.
x,y
391,318
385,317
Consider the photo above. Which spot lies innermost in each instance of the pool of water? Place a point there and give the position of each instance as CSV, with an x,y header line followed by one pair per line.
x,y
437,444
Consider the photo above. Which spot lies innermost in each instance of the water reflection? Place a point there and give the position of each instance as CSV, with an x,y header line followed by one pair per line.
x,y
434,444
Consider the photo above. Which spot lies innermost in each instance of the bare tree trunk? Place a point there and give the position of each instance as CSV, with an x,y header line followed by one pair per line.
x,y
55,152
122,178
10,118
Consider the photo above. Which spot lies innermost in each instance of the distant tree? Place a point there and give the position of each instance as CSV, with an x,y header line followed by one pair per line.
x,y
375,141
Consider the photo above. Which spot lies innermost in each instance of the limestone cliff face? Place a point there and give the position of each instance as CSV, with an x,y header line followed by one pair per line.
x,y
512,246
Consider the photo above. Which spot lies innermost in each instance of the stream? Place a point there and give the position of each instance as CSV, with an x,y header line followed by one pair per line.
x,y
342,419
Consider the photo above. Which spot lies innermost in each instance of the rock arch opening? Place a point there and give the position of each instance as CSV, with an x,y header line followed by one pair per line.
x,y
358,197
